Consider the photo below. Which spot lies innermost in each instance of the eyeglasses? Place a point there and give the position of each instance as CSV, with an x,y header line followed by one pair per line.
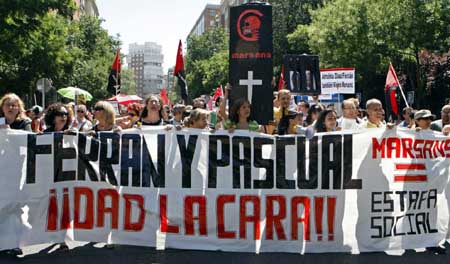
x,y
99,108
132,114
61,114
15,106
80,111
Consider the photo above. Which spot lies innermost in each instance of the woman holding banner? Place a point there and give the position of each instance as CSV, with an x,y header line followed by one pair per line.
x,y
105,115
58,118
153,113
239,117
12,112
326,122
197,119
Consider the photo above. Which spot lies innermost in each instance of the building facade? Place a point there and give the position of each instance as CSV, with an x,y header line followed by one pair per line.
x,y
85,7
206,21
146,60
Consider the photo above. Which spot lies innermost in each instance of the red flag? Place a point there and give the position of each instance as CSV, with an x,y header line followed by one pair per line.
x,y
218,93
164,97
281,80
114,75
391,87
116,64
179,65
179,72
391,78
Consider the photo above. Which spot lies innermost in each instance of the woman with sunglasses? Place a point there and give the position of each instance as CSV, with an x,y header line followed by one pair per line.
x,y
81,123
57,118
106,117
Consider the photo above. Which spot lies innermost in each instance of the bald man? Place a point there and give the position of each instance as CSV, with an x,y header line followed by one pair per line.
x,y
445,119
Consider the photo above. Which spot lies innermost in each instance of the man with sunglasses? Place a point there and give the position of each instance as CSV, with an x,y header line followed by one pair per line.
x,y
81,123
445,119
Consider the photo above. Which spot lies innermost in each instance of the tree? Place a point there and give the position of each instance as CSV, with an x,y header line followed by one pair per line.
x,y
287,15
94,53
128,83
206,62
370,34
32,37
39,39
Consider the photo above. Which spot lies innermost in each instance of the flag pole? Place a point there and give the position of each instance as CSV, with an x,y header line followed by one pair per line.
x,y
399,85
117,71
403,94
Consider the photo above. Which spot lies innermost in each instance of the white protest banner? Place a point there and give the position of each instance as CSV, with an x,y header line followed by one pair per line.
x,y
338,80
189,189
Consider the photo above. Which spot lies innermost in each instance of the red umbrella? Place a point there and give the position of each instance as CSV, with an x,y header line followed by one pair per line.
x,y
124,99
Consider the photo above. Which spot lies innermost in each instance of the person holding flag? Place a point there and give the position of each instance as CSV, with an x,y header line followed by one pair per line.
x,y
179,73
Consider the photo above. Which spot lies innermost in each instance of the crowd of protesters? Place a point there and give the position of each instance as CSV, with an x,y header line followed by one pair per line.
x,y
289,118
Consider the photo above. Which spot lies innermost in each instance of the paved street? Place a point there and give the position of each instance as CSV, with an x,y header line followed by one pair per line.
x,y
87,253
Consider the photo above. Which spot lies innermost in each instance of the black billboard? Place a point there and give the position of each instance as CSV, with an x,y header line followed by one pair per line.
x,y
302,74
251,63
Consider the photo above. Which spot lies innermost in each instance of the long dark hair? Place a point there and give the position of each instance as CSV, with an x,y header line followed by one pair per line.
x,y
234,111
145,110
314,109
51,114
320,123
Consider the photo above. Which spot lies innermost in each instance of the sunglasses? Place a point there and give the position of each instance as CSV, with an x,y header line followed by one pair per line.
x,y
61,114
99,108
132,114
80,111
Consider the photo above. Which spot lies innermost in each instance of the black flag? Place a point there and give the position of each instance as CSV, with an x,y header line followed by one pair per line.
x,y
114,76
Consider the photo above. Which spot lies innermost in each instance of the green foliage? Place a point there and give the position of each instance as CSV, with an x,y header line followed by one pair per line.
x,y
39,39
94,53
32,37
368,35
206,62
287,15
128,83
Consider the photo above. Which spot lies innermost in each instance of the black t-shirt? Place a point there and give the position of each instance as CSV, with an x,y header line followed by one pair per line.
x,y
157,123
22,124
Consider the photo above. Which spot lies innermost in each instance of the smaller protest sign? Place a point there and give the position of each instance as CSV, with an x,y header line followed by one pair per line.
x,y
338,80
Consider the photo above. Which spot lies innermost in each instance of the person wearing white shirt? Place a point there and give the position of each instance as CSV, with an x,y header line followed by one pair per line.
x,y
349,119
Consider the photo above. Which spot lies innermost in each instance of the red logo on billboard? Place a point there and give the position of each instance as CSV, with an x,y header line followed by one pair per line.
x,y
248,25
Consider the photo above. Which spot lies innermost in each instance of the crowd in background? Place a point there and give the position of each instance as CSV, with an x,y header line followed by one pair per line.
x,y
303,117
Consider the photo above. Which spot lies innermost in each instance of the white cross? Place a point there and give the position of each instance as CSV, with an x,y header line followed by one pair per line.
x,y
250,82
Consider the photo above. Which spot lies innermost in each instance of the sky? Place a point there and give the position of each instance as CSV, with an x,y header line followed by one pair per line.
x,y
162,21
